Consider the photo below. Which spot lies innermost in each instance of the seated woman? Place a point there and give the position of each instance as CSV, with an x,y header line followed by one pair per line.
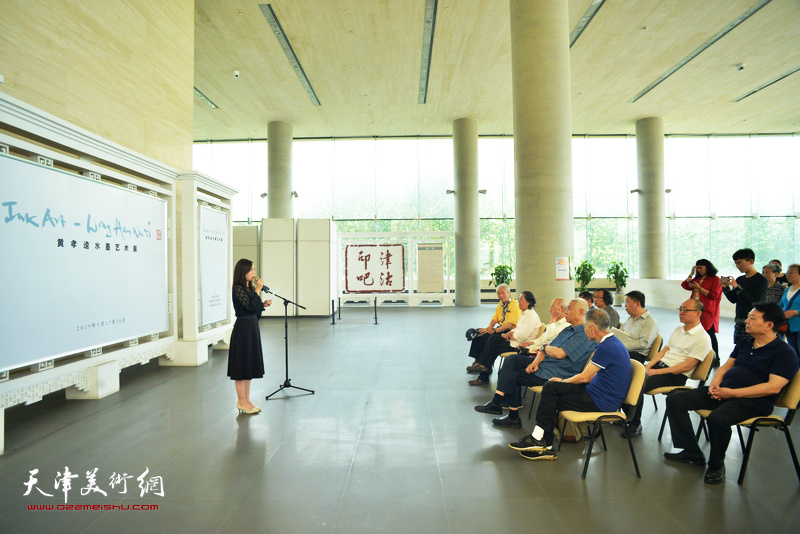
x,y
527,329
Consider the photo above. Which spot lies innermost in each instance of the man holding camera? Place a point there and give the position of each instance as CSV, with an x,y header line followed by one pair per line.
x,y
745,291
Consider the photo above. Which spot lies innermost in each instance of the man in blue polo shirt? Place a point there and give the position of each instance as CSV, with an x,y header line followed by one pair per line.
x,y
563,357
746,386
601,387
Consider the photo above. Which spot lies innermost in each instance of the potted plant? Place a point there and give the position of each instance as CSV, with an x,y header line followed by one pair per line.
x,y
619,275
584,274
501,275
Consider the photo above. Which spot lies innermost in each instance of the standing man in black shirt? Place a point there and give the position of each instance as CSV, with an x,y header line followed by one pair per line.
x,y
744,291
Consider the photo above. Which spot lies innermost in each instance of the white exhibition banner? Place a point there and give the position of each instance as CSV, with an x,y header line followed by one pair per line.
x,y
214,283
84,263
374,268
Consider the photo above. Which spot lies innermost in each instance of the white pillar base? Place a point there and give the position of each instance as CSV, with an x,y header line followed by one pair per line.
x,y
103,380
187,354
2,430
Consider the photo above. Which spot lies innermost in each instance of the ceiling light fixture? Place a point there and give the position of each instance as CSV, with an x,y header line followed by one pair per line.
x,y
205,99
585,20
428,27
764,86
272,19
700,49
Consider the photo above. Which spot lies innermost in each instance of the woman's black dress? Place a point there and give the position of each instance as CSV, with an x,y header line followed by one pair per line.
x,y
245,359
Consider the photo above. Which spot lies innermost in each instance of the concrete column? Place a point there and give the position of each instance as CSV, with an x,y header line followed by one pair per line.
x,y
465,162
652,200
540,70
279,156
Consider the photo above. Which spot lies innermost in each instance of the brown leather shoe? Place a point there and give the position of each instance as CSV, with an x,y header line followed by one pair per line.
x,y
478,382
476,367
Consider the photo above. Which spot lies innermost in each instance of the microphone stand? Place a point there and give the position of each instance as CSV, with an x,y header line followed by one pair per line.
x,y
287,383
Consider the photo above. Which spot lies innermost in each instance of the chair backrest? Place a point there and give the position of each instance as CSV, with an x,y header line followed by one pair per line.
x,y
790,394
655,348
637,383
702,369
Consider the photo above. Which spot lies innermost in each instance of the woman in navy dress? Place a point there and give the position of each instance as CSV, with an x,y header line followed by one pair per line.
x,y
245,359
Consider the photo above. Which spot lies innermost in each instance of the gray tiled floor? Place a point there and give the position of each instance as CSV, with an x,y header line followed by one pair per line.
x,y
389,443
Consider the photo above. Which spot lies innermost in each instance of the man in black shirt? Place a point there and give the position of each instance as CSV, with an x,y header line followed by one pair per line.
x,y
744,291
746,386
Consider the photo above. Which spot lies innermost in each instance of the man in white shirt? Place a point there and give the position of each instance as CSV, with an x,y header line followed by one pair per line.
x,y
527,329
640,330
673,365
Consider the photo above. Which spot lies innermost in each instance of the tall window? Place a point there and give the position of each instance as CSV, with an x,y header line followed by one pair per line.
x,y
726,192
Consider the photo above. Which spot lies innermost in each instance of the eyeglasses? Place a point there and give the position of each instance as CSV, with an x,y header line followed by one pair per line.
x,y
685,310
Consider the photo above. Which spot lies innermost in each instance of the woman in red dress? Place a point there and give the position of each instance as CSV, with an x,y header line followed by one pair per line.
x,y
703,282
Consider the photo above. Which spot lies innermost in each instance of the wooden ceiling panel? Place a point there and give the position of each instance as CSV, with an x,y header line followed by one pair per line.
x,y
363,60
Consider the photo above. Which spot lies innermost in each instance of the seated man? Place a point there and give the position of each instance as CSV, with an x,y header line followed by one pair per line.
x,y
687,347
527,329
587,296
558,322
565,356
600,387
605,301
506,317
746,386
640,330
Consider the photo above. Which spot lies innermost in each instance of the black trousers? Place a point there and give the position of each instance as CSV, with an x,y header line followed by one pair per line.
x,y
653,382
512,376
724,414
557,397
477,344
739,333
641,358
494,347
714,343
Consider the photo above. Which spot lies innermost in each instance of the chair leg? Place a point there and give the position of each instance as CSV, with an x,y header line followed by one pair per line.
x,y
663,425
746,457
602,437
633,455
701,428
530,410
655,404
561,436
741,438
589,448
786,433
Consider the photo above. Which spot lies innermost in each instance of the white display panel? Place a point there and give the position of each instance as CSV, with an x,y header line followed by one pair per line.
x,y
84,263
214,282
374,268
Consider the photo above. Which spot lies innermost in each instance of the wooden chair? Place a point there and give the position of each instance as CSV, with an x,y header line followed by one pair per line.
x,y
788,398
700,373
598,418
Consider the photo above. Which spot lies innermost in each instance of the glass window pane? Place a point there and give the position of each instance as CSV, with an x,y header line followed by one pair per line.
x,y
259,170
732,174
490,177
687,175
354,179
607,241
775,157
231,165
435,178
579,197
607,176
689,241
312,178
396,170
509,196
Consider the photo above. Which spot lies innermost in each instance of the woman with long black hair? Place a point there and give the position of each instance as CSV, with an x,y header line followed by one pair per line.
x,y
245,359
703,282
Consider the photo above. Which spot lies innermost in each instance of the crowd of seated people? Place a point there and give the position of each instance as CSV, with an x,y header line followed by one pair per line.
x,y
582,359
